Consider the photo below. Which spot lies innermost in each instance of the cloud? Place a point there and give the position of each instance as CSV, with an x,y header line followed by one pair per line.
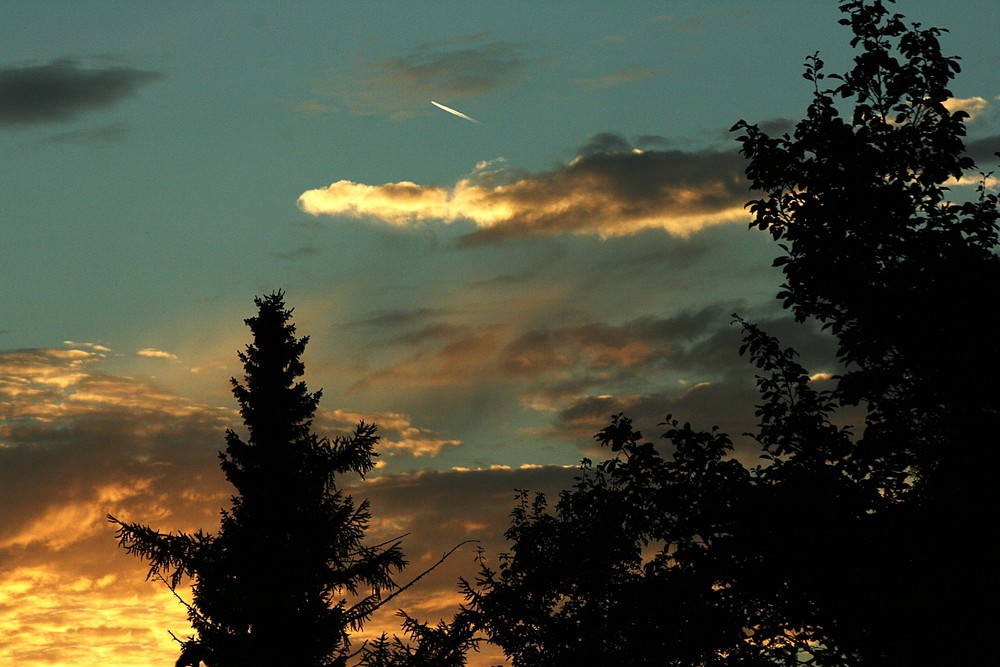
x,y
984,150
78,442
396,431
615,79
717,386
153,353
973,106
52,615
609,190
62,89
402,85
553,364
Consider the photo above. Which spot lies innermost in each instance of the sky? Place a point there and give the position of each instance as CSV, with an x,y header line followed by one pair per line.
x,y
488,286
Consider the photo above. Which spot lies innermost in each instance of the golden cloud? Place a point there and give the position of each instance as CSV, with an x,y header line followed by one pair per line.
x,y
64,524
153,353
55,617
398,434
607,193
970,105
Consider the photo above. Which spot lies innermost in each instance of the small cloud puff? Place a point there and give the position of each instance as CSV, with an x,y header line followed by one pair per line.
x,y
153,353
973,106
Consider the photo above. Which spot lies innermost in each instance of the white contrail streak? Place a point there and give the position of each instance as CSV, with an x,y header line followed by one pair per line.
x,y
457,113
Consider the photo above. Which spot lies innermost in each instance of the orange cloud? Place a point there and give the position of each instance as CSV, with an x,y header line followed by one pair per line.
x,y
611,190
397,432
51,616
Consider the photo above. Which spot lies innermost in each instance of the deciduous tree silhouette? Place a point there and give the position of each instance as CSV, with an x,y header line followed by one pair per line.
x,y
880,251
691,558
839,549
272,586
874,247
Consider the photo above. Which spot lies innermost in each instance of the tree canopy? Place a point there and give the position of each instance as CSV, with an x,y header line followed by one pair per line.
x,y
843,546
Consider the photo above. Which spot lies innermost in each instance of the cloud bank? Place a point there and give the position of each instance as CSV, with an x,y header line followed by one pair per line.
x,y
610,189
62,89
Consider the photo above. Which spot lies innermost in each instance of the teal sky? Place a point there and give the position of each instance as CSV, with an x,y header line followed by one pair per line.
x,y
489,292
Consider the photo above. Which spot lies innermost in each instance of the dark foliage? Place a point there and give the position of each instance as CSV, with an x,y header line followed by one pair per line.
x,y
687,559
272,586
443,645
839,548
875,248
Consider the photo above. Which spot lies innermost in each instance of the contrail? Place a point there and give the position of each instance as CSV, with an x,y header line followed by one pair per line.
x,y
457,113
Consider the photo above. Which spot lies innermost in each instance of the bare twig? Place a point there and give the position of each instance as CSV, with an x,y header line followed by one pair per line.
x,y
420,576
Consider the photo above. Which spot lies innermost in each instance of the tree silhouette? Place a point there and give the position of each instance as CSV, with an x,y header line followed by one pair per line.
x,y
903,273
272,586
691,558
874,247
838,549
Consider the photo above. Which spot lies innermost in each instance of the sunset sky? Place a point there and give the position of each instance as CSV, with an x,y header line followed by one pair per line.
x,y
488,292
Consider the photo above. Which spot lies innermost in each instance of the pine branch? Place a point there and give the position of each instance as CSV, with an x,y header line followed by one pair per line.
x,y
355,616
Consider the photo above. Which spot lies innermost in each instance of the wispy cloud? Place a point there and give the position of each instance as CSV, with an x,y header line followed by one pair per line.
x,y
63,89
610,189
110,134
301,252
614,79
555,363
396,431
451,70
153,353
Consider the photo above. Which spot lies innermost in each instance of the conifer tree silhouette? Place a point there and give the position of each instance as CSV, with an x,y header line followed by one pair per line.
x,y
272,587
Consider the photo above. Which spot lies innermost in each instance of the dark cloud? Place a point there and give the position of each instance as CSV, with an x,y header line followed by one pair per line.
x,y
983,151
604,142
409,327
552,367
63,89
647,141
431,332
722,392
394,319
468,72
446,71
775,126
645,342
